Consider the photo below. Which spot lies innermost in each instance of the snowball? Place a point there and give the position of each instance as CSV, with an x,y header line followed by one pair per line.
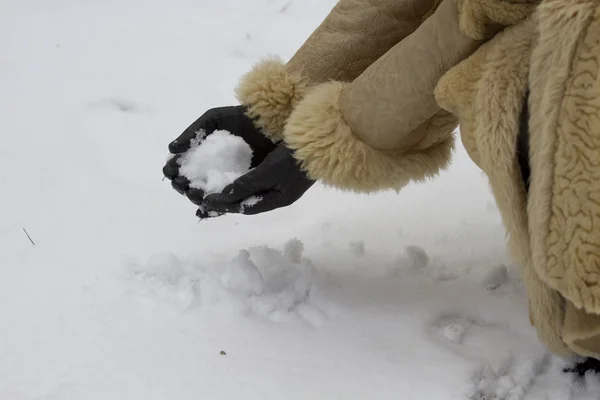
x,y
219,160
454,332
242,276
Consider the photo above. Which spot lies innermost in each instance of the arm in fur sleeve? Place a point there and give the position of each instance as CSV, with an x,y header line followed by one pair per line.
x,y
354,35
385,128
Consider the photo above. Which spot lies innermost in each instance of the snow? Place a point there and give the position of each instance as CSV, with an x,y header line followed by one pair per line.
x,y
250,202
454,332
216,161
124,296
496,276
415,257
357,247
243,276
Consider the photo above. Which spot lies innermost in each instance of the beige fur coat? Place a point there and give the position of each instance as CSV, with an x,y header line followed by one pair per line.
x,y
371,101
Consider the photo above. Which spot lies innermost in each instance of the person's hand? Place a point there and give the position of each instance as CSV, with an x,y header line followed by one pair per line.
x,y
232,119
277,182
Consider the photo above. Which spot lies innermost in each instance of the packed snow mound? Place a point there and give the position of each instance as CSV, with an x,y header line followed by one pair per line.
x,y
243,276
216,161
272,283
288,279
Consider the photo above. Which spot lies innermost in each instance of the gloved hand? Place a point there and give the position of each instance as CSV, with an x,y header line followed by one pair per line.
x,y
277,182
275,179
232,119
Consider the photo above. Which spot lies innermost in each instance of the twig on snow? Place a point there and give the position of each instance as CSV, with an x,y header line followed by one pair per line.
x,y
285,7
29,237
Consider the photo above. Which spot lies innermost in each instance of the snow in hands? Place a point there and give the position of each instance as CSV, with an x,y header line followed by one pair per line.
x,y
214,162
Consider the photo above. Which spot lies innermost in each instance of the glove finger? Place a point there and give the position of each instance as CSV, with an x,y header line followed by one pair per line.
x,y
205,214
216,202
275,198
224,118
266,202
252,205
193,134
171,168
184,141
196,196
261,179
181,184
237,191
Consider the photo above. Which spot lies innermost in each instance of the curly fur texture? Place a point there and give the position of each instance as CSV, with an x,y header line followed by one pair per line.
x,y
554,233
481,19
564,205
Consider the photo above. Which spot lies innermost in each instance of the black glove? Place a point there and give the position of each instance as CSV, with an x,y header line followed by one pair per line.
x,y
277,182
231,119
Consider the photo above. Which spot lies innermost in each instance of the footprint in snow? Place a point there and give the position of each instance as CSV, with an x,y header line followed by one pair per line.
x,y
458,329
501,375
513,380
169,279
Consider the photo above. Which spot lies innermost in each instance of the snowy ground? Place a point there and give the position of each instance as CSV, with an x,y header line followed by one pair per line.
x,y
125,296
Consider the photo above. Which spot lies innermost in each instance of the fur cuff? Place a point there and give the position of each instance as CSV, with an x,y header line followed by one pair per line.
x,y
329,151
481,19
270,92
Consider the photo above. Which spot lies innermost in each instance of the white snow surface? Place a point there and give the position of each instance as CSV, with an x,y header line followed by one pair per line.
x,y
216,161
124,296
